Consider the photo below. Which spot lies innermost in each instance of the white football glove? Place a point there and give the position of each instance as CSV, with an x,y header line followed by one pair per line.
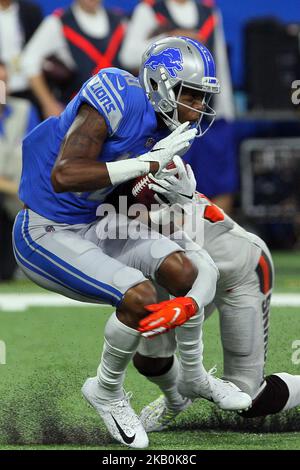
x,y
176,143
176,190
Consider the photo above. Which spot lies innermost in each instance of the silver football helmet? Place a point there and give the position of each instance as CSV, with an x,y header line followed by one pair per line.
x,y
174,63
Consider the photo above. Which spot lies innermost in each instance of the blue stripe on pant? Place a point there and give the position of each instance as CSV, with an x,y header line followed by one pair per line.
x,y
41,261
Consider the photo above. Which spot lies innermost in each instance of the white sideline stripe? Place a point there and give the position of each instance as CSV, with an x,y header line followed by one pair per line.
x,y
285,300
21,302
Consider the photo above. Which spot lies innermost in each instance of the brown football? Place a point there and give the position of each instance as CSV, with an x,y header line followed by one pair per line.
x,y
141,192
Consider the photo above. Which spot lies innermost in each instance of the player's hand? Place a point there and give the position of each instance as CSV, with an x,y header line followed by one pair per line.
x,y
180,137
167,315
176,143
178,189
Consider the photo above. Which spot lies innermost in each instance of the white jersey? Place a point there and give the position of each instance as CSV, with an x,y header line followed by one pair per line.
x,y
242,298
235,251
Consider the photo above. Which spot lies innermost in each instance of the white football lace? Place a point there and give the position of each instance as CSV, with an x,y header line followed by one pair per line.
x,y
140,185
220,385
118,409
119,405
213,370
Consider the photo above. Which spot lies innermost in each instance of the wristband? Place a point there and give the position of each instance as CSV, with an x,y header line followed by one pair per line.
x,y
124,170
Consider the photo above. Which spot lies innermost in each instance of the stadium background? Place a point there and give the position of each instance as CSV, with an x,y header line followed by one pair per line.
x,y
234,15
48,348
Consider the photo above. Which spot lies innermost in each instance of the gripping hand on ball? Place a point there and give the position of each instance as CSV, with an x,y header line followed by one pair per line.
x,y
179,189
176,143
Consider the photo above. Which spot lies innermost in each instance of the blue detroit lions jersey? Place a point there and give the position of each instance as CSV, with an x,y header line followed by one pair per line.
x,y
132,126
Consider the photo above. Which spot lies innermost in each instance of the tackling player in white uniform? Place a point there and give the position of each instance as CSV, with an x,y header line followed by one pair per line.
x,y
243,296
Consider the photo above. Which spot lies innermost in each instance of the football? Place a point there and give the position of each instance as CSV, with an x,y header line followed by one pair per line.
x,y
137,191
141,192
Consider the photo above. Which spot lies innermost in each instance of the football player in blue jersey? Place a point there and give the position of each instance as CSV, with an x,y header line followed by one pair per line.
x,y
72,162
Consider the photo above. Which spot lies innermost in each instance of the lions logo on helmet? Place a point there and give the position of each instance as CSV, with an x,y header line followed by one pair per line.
x,y
170,58
172,65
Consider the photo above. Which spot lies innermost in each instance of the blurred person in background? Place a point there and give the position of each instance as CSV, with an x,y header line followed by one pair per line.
x,y
213,157
18,22
83,39
17,118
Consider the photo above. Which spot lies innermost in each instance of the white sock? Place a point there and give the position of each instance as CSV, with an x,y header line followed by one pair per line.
x,y
168,385
190,346
293,384
120,345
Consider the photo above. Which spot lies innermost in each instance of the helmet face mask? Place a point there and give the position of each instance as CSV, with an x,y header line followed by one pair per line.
x,y
172,65
206,115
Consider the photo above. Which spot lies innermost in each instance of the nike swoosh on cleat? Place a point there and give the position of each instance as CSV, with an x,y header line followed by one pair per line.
x,y
126,439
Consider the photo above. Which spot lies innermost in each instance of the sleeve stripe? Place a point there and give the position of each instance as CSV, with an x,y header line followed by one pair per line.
x,y
114,93
108,105
87,95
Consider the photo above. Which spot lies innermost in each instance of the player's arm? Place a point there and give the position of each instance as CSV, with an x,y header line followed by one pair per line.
x,y
77,168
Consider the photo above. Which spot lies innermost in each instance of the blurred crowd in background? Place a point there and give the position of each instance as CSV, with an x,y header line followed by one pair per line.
x,y
249,162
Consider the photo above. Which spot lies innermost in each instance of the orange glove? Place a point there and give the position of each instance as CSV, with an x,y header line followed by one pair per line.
x,y
167,315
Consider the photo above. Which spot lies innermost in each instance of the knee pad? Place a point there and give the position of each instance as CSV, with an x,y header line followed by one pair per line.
x,y
271,400
150,366
160,346
127,277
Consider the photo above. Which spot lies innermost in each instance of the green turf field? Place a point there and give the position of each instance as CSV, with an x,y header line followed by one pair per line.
x,y
50,352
